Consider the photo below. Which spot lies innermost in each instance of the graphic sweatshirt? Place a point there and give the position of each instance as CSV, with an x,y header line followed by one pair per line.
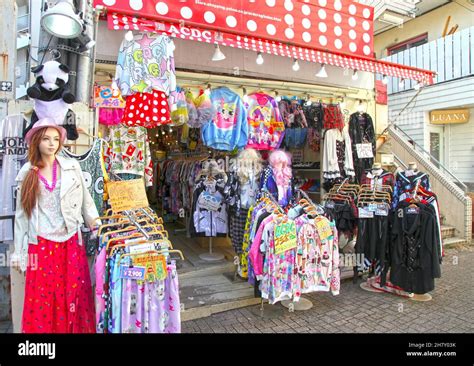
x,y
228,129
266,127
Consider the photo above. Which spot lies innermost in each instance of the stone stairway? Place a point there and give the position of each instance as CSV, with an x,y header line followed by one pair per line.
x,y
450,240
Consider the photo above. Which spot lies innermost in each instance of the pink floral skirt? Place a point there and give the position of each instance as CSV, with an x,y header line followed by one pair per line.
x,y
58,292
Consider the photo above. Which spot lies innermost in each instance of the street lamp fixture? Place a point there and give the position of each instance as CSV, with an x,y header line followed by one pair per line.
x,y
62,21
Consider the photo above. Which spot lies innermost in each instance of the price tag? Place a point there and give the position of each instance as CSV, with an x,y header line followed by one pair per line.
x,y
330,204
364,213
413,210
155,266
141,248
285,237
372,207
323,227
382,210
132,273
210,202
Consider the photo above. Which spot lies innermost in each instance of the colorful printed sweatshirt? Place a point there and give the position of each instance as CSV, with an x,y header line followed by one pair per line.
x,y
266,128
228,129
317,258
145,64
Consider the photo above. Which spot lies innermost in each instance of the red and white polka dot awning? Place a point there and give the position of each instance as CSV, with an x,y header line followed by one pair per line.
x,y
333,32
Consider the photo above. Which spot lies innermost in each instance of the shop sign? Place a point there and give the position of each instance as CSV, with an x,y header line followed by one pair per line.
x,y
106,97
341,26
127,195
285,236
258,43
449,116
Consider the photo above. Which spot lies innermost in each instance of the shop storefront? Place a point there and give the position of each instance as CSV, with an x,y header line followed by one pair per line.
x,y
207,88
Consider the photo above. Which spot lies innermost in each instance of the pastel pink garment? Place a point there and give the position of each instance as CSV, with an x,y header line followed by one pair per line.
x,y
255,255
99,289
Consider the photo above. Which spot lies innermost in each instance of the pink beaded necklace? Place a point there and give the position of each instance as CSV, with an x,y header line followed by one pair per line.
x,y
53,183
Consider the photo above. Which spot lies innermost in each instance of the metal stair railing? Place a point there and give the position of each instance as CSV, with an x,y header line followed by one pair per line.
x,y
415,145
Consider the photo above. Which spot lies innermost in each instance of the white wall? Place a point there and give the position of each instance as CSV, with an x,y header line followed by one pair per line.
x,y
459,139
461,148
432,22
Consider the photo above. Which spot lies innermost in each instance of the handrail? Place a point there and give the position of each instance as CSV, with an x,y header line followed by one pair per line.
x,y
432,158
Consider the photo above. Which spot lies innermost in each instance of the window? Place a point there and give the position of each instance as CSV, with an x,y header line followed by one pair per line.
x,y
410,43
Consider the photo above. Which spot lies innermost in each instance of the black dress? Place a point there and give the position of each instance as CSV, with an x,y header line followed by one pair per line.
x,y
361,130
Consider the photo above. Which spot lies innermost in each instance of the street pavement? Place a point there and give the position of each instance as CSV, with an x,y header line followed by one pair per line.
x,y
355,310
358,311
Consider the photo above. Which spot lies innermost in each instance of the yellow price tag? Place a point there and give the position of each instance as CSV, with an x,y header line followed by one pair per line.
x,y
323,227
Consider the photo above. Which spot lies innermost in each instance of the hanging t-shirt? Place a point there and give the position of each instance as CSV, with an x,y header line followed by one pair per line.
x,y
129,152
146,64
11,131
90,164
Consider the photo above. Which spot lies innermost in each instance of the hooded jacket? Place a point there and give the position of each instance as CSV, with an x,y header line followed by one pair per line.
x,y
209,221
76,205
266,128
228,129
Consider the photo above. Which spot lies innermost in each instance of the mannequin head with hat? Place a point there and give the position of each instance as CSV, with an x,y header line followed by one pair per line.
x,y
44,141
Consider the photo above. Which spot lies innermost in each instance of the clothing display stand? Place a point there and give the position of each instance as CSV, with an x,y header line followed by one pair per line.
x,y
365,286
415,297
301,305
211,257
422,297
267,311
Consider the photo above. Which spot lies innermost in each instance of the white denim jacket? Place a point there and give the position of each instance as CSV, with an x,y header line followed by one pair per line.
x,y
76,206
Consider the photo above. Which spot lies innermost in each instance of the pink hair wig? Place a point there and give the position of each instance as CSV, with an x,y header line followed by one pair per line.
x,y
282,175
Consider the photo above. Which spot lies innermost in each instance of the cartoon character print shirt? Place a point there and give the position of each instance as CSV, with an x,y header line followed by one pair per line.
x,y
129,152
266,127
228,129
145,64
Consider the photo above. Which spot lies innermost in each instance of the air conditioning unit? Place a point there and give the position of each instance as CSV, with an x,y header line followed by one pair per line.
x,y
393,19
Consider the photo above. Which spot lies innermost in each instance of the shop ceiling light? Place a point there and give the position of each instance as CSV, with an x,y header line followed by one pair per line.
x,y
342,104
218,54
246,97
296,65
385,79
355,75
322,72
129,36
62,21
277,97
260,59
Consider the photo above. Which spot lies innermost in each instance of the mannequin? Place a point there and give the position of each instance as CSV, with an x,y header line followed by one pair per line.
x,y
51,203
412,169
241,192
377,169
277,177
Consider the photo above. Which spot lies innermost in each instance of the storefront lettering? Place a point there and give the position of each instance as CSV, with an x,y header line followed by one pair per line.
x,y
14,146
450,116
190,32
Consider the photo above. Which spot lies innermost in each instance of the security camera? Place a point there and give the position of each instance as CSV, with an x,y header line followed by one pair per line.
x,y
85,42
